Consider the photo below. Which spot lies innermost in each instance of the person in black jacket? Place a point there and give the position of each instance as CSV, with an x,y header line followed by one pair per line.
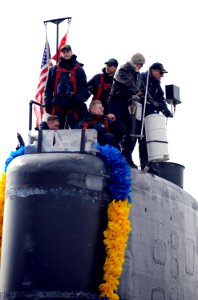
x,y
156,105
127,85
109,130
66,89
155,73
100,84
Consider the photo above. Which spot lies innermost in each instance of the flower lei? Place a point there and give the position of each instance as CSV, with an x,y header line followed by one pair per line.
x,y
116,234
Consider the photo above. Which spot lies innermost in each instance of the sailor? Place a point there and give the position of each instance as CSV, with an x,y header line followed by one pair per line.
x,y
109,130
66,89
100,84
126,86
51,123
155,105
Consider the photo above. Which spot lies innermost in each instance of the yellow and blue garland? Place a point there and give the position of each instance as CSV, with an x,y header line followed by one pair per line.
x,y
119,227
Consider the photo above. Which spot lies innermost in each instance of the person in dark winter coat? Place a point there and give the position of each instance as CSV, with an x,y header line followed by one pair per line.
x,y
66,89
127,85
100,84
155,73
109,130
156,105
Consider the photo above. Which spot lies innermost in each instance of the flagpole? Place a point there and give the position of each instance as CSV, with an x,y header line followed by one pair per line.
x,y
47,45
57,22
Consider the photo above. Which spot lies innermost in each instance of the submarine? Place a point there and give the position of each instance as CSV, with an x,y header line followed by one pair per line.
x,y
79,223
65,238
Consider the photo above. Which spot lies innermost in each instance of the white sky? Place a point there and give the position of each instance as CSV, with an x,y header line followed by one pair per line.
x,y
164,31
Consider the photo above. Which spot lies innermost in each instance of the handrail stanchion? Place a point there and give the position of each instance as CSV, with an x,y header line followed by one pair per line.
x,y
30,111
30,115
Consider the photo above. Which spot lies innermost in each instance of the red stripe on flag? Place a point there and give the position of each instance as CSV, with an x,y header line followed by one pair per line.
x,y
39,97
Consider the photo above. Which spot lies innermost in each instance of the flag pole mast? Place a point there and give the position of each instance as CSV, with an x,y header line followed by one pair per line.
x,y
57,22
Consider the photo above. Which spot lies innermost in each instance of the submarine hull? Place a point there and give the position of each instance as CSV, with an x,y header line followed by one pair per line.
x,y
54,218
161,258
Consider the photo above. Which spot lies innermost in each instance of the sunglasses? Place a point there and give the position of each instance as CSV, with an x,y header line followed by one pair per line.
x,y
161,73
65,50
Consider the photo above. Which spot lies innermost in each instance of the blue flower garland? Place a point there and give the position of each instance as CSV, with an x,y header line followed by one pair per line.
x,y
13,154
120,174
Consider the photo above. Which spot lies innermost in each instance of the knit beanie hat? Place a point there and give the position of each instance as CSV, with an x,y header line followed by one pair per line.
x,y
138,58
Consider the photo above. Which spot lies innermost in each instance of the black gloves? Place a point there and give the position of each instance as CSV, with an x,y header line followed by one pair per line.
x,y
167,113
160,107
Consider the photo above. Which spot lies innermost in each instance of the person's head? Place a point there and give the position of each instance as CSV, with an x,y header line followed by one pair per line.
x,y
111,66
96,108
53,122
157,70
138,60
66,51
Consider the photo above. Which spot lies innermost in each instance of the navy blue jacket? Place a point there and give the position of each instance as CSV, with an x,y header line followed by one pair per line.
x,y
157,94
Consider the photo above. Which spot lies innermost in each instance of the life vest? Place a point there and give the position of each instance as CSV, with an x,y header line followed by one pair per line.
x,y
72,78
104,121
103,86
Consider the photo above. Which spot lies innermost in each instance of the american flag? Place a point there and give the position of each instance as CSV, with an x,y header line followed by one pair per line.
x,y
39,97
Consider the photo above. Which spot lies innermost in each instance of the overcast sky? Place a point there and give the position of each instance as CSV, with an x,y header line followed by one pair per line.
x,y
164,31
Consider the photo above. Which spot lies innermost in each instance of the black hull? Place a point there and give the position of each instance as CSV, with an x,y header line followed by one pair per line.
x,y
53,233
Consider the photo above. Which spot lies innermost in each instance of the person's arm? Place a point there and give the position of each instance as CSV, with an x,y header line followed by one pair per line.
x,y
111,117
117,129
93,83
82,93
162,103
127,78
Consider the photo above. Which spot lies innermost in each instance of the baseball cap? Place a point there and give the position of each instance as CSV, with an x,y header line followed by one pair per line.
x,y
158,66
66,47
112,62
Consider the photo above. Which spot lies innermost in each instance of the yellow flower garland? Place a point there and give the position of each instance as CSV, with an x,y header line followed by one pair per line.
x,y
116,237
2,199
